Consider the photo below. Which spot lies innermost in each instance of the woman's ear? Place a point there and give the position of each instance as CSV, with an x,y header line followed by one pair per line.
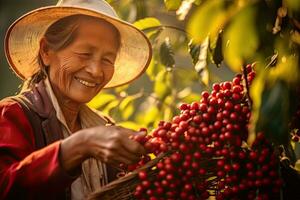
x,y
44,52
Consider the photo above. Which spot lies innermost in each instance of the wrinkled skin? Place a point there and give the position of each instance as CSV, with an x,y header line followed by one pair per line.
x,y
90,57
77,73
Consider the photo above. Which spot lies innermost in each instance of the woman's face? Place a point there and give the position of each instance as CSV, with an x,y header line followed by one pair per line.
x,y
79,71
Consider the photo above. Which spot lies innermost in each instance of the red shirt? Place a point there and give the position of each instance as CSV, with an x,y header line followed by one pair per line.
x,y
27,173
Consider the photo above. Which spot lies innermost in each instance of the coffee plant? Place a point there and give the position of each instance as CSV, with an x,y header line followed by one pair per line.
x,y
229,139
208,155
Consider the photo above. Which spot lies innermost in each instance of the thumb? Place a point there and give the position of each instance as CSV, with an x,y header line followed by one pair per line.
x,y
141,133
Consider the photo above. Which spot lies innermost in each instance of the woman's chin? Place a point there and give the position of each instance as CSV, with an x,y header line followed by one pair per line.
x,y
82,94
82,98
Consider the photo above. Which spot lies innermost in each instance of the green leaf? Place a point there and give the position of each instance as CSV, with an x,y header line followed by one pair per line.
x,y
275,102
287,65
127,111
101,100
126,106
194,50
172,4
190,98
217,53
197,2
201,65
149,116
208,19
256,91
167,113
110,107
162,84
146,23
287,69
241,39
166,53
141,9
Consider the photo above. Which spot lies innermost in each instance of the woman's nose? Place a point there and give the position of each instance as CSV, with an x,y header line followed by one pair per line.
x,y
95,69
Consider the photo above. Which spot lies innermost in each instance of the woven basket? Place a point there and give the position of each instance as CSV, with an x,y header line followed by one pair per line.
x,y
123,188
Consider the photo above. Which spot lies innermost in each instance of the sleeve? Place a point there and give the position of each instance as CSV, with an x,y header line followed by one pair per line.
x,y
21,167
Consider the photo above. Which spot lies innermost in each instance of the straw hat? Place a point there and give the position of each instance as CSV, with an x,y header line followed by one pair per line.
x,y
23,38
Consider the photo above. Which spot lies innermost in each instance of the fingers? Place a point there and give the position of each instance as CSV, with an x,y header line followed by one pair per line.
x,y
118,156
112,144
132,157
119,159
127,148
131,145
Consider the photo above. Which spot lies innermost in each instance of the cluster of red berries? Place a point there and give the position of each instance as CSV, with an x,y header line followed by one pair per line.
x,y
251,174
207,149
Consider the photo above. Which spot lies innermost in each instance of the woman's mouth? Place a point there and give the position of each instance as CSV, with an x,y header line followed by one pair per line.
x,y
86,83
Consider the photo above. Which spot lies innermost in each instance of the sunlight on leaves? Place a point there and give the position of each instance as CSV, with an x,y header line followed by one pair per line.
x,y
109,108
208,19
162,84
172,4
101,100
167,113
240,39
154,68
146,23
240,44
149,116
188,96
286,69
257,88
126,106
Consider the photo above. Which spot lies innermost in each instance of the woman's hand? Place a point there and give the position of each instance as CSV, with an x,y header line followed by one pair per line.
x,y
110,144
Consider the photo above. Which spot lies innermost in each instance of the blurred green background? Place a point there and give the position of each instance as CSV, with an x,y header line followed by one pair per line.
x,y
10,10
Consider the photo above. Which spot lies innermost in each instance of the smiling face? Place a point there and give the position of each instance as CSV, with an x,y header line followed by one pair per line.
x,y
80,70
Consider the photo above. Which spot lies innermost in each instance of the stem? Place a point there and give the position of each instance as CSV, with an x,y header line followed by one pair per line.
x,y
247,86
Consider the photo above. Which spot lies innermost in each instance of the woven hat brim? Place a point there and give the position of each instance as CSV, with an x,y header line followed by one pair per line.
x,y
23,38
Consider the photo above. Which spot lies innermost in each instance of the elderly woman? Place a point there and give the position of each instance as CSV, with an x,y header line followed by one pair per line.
x,y
52,146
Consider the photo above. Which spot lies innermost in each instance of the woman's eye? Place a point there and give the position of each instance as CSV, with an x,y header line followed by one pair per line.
x,y
84,54
107,60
